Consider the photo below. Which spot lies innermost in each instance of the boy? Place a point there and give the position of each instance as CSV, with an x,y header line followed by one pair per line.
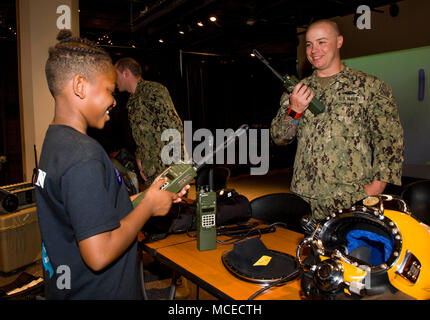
x,y
87,222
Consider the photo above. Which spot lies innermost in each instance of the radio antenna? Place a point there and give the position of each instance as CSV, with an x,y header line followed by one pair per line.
x,y
242,129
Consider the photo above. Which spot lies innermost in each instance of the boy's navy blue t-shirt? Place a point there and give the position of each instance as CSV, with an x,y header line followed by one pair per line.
x,y
80,194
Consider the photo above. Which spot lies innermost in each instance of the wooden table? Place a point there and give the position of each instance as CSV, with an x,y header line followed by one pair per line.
x,y
205,268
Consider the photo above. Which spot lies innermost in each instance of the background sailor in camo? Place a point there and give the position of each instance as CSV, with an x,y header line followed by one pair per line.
x,y
150,112
352,149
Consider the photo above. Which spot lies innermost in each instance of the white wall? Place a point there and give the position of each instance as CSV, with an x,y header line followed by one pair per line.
x,y
37,31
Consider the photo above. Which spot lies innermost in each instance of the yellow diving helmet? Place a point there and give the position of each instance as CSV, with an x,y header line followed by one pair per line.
x,y
363,250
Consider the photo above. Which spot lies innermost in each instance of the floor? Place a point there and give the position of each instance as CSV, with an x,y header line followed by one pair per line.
x,y
157,282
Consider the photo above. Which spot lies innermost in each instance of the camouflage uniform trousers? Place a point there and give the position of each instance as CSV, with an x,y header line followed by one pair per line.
x,y
322,208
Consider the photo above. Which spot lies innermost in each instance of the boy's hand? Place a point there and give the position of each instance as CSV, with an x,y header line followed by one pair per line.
x,y
181,193
139,165
160,201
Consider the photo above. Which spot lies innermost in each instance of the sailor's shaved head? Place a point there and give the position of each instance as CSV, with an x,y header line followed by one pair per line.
x,y
333,25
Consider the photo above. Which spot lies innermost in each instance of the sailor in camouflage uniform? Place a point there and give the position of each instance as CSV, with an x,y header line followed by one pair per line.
x,y
150,112
352,149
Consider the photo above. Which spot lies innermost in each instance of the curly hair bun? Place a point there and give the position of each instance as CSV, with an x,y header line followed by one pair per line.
x,y
64,34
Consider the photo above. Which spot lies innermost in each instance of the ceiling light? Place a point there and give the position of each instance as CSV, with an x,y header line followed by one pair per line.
x,y
181,32
161,40
252,54
200,24
250,22
213,18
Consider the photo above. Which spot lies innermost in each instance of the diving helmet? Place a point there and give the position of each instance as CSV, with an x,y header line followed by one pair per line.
x,y
364,250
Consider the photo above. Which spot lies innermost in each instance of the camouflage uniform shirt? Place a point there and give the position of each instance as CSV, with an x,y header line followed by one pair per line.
x,y
357,139
150,112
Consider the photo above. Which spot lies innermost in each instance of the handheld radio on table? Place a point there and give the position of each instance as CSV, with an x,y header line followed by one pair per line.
x,y
206,219
315,106
180,174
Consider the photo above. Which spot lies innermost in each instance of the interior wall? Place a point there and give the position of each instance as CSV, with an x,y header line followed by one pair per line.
x,y
37,31
400,69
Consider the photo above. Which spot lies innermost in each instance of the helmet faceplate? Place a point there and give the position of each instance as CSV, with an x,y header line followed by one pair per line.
x,y
394,239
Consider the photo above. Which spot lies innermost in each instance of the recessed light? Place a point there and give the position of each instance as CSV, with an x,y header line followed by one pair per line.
x,y
200,24
212,18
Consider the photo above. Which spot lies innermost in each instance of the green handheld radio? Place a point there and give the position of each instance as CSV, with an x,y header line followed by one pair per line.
x,y
315,106
206,219
177,175
180,174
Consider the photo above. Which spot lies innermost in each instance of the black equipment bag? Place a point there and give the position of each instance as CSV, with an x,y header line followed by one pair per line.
x,y
231,208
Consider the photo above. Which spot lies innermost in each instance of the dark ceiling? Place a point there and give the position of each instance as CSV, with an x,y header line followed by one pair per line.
x,y
270,25
240,26
7,20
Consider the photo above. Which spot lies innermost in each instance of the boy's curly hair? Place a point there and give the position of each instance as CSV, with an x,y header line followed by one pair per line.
x,y
73,55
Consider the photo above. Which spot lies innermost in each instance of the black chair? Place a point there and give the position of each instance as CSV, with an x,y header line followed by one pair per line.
x,y
281,207
417,197
220,177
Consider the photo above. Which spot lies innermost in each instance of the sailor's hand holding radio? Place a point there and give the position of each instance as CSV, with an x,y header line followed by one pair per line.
x,y
300,97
